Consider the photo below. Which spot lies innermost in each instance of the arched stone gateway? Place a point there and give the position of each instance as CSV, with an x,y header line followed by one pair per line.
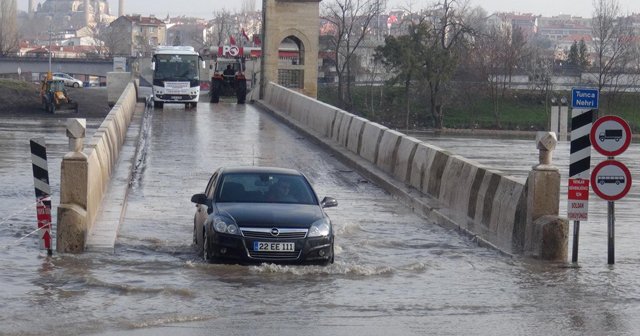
x,y
291,26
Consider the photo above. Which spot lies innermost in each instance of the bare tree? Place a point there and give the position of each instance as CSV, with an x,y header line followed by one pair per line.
x,y
613,44
114,41
221,27
351,20
446,39
8,28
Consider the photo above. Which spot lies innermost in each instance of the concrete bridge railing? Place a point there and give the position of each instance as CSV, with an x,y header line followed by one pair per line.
x,y
85,173
455,192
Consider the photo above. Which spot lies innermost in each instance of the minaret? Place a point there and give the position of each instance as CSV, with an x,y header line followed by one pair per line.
x,y
120,8
32,5
87,13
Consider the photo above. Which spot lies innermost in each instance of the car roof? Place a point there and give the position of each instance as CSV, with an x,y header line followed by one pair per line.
x,y
258,169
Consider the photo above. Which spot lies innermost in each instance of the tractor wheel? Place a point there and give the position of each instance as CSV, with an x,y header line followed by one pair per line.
x,y
241,91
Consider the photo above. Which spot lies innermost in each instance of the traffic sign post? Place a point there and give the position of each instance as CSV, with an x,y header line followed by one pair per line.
x,y
611,179
579,166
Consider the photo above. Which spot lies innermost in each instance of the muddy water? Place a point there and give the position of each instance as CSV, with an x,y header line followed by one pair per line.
x,y
395,273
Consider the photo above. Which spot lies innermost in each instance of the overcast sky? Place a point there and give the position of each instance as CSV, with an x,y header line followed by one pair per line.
x,y
205,8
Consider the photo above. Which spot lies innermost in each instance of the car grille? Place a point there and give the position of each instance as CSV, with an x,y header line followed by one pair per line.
x,y
275,255
266,233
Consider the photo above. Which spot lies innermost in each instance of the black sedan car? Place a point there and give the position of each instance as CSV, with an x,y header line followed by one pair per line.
x,y
262,214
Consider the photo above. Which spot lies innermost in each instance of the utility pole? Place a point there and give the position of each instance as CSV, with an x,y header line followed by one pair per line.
x,y
50,33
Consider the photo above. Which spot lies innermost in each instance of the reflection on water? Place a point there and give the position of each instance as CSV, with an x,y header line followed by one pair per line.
x,y
395,273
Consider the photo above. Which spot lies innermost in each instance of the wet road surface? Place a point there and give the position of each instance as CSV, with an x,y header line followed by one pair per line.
x,y
395,273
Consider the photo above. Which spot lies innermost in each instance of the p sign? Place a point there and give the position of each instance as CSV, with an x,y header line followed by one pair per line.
x,y
229,51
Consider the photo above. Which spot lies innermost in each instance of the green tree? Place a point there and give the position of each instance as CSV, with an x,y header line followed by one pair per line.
x,y
578,55
398,55
583,55
573,59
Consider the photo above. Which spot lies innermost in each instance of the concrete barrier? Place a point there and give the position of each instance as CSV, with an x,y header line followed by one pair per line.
x,y
370,142
496,210
85,175
354,135
402,169
116,84
388,150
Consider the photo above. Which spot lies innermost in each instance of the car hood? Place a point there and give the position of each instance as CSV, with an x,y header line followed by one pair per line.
x,y
270,215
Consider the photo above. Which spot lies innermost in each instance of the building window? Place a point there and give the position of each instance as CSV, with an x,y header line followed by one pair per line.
x,y
290,78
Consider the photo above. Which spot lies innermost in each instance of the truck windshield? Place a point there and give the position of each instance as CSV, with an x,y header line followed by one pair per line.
x,y
176,67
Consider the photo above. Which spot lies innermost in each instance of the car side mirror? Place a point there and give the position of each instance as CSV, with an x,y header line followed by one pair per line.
x,y
329,202
199,199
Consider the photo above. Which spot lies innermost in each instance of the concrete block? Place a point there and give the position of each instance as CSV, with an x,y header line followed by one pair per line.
x,y
457,180
423,158
434,170
354,136
116,83
550,239
388,150
404,159
371,137
343,131
321,117
71,231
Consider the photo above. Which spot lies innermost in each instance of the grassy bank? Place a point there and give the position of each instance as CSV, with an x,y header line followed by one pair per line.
x,y
471,108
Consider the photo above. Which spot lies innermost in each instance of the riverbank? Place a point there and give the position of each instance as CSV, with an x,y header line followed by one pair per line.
x,y
21,99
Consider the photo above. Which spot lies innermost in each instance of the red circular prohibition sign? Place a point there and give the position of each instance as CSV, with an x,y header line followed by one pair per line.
x,y
596,188
625,127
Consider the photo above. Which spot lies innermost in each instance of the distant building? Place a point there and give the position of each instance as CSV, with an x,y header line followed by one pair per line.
x,y
559,27
527,23
72,14
135,35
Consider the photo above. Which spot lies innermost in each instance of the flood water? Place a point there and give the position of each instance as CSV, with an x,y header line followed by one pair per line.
x,y
395,273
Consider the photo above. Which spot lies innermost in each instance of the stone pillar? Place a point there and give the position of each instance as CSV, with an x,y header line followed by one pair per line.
x,y
564,121
297,18
72,213
546,234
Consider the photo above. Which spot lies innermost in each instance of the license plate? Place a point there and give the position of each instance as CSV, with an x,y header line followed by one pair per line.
x,y
176,97
274,247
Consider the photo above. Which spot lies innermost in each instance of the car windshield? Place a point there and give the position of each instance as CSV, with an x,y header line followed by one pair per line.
x,y
265,188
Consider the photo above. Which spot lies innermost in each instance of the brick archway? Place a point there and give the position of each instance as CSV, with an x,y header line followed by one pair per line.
x,y
297,21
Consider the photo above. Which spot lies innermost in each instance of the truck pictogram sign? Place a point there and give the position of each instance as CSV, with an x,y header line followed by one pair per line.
x,y
610,135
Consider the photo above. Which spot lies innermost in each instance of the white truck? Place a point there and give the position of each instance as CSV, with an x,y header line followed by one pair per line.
x,y
176,75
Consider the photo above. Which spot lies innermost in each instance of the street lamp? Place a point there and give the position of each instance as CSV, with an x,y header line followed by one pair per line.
x,y
50,33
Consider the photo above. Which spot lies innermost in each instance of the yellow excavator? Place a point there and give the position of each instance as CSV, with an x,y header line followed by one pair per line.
x,y
54,96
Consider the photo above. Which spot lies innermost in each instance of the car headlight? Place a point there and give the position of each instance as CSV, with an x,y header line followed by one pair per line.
x,y
320,228
225,225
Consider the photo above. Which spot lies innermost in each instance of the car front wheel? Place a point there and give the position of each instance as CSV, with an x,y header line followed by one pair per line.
x,y
76,85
